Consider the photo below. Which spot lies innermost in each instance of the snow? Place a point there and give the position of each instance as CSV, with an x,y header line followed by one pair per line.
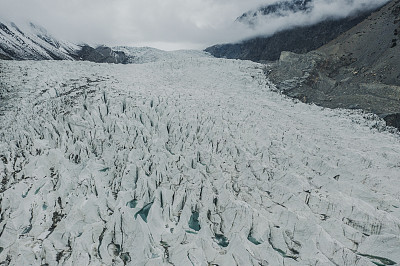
x,y
188,160
141,55
33,42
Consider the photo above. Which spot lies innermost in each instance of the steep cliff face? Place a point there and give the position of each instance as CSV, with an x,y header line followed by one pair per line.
x,y
359,69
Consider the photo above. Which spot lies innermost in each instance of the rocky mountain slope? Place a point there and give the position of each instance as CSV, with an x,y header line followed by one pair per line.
x,y
359,69
188,160
298,39
280,9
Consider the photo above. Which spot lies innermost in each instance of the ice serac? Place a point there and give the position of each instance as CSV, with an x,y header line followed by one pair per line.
x,y
188,160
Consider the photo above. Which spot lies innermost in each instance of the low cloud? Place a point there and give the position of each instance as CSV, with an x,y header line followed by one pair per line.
x,y
166,24
319,10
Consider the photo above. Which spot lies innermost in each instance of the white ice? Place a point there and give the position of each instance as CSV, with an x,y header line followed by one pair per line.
x,y
188,160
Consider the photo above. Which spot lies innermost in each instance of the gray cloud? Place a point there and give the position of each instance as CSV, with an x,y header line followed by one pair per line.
x,y
168,24
321,9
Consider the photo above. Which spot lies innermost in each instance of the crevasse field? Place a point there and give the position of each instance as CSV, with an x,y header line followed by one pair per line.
x,y
188,160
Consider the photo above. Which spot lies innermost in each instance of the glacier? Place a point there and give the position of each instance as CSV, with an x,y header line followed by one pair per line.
x,y
187,159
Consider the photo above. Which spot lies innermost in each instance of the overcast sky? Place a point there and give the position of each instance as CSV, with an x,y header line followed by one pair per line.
x,y
165,24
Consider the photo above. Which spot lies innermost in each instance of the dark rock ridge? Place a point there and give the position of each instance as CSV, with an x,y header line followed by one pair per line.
x,y
357,70
299,40
102,54
281,8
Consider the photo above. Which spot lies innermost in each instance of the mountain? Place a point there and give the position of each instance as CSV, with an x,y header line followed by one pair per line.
x,y
299,39
359,69
188,160
32,43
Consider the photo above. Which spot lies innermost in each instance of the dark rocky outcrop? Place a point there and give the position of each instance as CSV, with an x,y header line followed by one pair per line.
x,y
357,70
5,57
281,8
102,54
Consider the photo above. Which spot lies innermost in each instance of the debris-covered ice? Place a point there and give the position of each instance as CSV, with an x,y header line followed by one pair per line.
x,y
187,161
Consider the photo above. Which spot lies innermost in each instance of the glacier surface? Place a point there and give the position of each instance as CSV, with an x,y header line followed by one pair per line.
x,y
187,160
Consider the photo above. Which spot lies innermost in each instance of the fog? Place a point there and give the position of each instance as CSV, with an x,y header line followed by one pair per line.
x,y
165,24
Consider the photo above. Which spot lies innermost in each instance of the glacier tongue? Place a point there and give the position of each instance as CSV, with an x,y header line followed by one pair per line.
x,y
187,161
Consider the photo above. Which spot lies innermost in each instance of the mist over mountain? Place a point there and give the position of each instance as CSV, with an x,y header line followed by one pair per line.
x,y
300,39
278,9
299,26
284,14
174,24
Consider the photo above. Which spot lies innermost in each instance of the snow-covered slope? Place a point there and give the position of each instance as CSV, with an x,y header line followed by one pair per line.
x,y
188,161
141,55
32,42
